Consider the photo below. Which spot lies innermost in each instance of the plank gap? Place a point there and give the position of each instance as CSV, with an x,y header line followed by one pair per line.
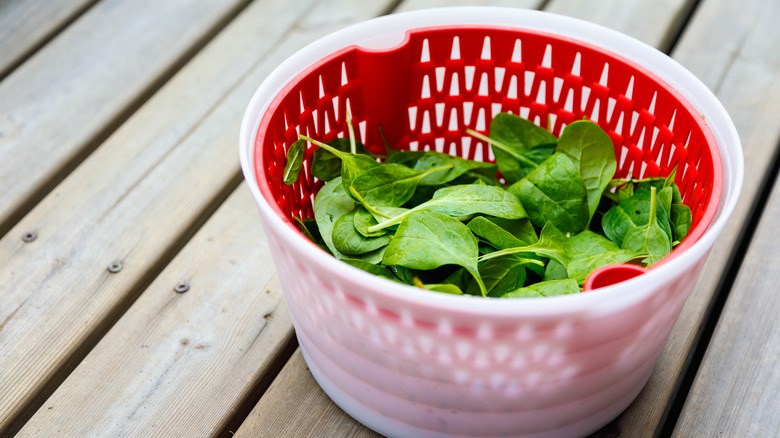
x,y
27,54
260,387
725,283
678,25
102,327
67,166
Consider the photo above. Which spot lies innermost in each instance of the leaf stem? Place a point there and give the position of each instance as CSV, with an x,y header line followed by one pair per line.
x,y
327,147
501,146
371,209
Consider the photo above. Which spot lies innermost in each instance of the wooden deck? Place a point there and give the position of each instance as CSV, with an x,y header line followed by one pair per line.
x,y
120,182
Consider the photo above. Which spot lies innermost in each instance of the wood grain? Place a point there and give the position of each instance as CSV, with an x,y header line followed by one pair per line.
x,y
739,62
295,406
411,5
136,200
26,24
656,23
55,107
736,389
178,364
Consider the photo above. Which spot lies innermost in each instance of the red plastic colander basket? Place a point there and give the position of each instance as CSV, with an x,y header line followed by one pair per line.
x,y
407,362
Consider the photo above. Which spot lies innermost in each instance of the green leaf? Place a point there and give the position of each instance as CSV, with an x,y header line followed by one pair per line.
x,y
463,200
550,245
294,162
348,240
555,192
649,238
391,185
363,220
545,289
407,158
458,167
518,145
681,220
581,266
426,240
444,288
350,165
502,274
309,229
635,211
330,204
593,153
503,233
371,268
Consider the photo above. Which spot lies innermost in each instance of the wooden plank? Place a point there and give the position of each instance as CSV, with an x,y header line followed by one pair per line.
x,y
739,63
136,200
55,107
26,24
182,363
411,5
736,388
654,23
295,406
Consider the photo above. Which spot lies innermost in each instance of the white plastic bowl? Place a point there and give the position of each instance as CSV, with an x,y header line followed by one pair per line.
x,y
407,362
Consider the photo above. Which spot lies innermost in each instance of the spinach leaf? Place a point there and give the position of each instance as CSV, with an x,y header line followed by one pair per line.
x,y
463,200
649,238
545,289
593,153
309,229
391,185
580,248
292,167
363,220
427,240
330,204
457,167
371,268
555,192
518,145
550,245
407,158
502,274
325,165
635,211
582,265
348,240
503,233
681,220
444,288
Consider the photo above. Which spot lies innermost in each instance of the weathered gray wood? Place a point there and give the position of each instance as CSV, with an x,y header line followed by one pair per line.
x,y
136,199
179,364
295,406
75,89
730,46
737,387
411,5
26,24
655,23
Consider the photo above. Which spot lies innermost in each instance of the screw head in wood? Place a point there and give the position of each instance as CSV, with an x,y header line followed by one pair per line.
x,y
181,287
114,267
29,236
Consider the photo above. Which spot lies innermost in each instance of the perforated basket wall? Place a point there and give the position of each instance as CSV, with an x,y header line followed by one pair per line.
x,y
426,92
